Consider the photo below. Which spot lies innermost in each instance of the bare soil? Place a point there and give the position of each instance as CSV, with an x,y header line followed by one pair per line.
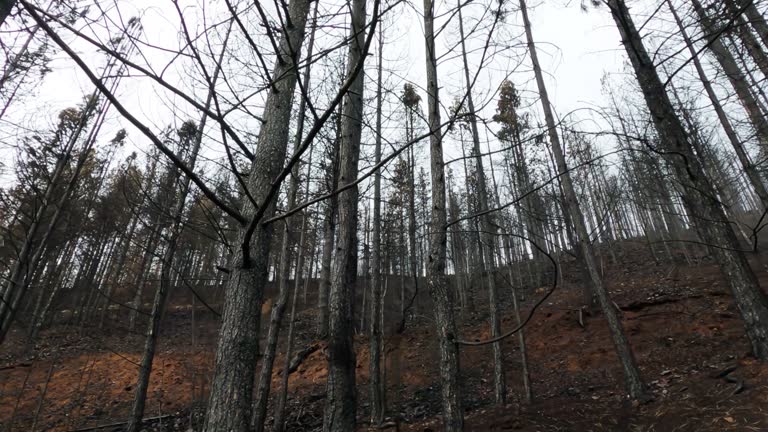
x,y
680,319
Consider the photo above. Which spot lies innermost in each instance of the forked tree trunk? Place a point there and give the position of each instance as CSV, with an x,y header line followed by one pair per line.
x,y
278,309
699,195
229,404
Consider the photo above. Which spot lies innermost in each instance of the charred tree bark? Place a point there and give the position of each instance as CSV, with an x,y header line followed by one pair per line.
x,y
743,31
526,376
340,407
329,235
286,259
377,385
442,295
117,275
6,6
756,19
153,238
32,248
229,405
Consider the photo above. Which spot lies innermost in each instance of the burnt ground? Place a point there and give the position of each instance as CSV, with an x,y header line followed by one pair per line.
x,y
680,319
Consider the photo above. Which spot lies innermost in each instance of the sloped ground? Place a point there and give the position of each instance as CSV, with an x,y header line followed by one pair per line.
x,y
682,324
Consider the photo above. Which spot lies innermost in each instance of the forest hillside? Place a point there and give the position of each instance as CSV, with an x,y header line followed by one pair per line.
x,y
680,319
344,215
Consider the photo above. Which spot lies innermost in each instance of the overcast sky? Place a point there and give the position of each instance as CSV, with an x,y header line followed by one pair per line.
x,y
576,49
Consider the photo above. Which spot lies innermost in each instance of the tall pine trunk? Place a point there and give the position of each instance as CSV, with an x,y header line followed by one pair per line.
x,y
329,235
437,282
377,385
340,407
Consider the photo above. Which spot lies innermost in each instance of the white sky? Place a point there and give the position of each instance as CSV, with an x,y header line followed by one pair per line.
x,y
576,50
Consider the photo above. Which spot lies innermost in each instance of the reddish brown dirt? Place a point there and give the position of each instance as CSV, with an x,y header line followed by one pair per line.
x,y
681,322
93,375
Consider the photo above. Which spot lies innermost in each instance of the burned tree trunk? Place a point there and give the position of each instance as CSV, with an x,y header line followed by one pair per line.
x,y
229,404
278,309
377,385
329,235
437,282
340,407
